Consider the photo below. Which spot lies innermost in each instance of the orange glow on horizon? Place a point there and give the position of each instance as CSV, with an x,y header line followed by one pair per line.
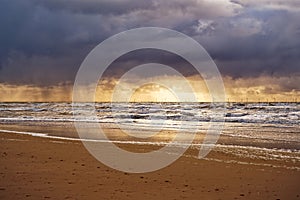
x,y
260,89
153,93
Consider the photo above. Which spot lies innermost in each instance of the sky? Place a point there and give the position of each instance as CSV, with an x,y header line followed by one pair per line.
x,y
255,45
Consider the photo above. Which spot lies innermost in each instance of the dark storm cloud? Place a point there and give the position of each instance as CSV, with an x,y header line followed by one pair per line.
x,y
138,57
44,41
256,42
91,7
42,47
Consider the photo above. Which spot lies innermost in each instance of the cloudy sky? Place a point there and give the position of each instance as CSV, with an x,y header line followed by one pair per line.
x,y
255,44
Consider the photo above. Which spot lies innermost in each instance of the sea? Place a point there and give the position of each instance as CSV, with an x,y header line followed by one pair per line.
x,y
269,132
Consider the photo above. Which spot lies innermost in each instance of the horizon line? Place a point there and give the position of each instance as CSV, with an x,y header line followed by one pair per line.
x,y
245,102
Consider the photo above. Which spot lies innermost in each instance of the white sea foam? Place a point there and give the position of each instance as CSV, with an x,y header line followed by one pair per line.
x,y
288,113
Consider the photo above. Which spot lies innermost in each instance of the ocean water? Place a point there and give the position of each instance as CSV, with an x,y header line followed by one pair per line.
x,y
269,131
142,113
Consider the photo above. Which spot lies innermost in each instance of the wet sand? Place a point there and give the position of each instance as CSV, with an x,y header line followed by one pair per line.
x,y
42,168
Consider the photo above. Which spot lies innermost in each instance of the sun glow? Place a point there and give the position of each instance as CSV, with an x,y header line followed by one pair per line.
x,y
261,89
153,93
